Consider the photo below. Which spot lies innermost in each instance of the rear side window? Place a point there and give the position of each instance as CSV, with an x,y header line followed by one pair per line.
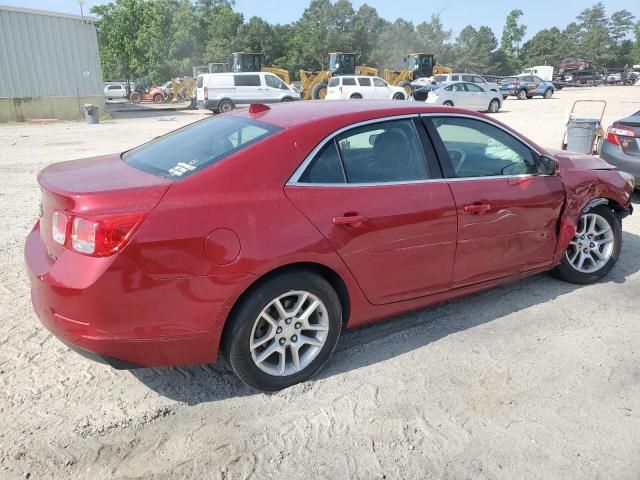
x,y
326,167
364,81
334,82
197,146
246,80
349,81
455,78
440,78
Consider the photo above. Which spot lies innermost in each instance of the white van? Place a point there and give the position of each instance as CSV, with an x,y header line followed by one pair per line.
x,y
222,92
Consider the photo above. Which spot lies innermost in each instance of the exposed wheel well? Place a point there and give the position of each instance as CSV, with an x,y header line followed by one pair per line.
x,y
327,273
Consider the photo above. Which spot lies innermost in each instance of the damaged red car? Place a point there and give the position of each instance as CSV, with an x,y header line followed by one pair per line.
x,y
260,234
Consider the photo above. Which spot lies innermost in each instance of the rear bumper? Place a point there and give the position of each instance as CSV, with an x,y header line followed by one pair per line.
x,y
614,155
113,313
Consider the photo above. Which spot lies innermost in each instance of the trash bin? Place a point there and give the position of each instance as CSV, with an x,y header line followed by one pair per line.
x,y
581,134
91,114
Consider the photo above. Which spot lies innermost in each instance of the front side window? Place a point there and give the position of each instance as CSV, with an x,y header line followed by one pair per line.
x,y
383,152
477,79
378,82
274,82
334,82
197,146
479,149
472,87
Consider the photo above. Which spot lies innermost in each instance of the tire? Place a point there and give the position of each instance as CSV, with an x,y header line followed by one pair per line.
x,y
398,96
447,103
136,97
247,321
504,97
225,106
522,95
287,99
319,91
356,96
494,106
548,93
406,85
158,98
569,272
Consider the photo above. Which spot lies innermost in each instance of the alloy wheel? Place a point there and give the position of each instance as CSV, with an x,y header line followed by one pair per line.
x,y
289,333
592,245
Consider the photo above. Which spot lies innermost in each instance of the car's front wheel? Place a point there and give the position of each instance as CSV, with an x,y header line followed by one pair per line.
x,y
398,96
594,249
283,331
548,93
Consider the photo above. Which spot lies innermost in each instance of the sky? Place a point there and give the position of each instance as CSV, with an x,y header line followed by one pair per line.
x,y
455,14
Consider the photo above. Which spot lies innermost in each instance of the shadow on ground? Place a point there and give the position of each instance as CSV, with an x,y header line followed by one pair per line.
x,y
210,383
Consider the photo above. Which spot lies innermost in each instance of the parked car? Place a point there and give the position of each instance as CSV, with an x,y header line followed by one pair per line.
x,y
526,86
116,90
466,95
222,92
356,86
421,93
614,78
621,145
261,234
466,77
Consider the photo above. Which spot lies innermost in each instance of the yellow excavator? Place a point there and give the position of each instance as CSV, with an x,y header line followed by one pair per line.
x,y
252,62
314,84
419,65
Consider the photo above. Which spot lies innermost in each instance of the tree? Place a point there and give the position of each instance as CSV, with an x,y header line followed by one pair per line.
x,y
512,36
476,51
595,42
433,37
545,48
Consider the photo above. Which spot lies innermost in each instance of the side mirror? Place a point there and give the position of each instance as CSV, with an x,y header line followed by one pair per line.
x,y
549,165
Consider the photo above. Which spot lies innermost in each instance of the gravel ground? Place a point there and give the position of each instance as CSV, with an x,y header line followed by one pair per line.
x,y
537,379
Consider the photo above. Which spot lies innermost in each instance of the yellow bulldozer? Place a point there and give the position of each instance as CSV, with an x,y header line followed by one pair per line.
x,y
419,65
252,62
314,84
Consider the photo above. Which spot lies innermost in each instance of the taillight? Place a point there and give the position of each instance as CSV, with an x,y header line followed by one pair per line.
x,y
206,93
614,132
100,235
59,227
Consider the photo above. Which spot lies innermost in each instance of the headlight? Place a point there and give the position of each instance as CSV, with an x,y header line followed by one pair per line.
x,y
628,178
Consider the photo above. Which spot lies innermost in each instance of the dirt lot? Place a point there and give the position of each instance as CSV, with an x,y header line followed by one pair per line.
x,y
538,379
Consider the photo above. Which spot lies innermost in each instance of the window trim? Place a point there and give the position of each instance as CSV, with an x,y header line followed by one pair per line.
x,y
294,180
443,155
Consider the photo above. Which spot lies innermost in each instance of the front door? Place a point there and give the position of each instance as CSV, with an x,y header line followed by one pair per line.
x,y
507,212
368,191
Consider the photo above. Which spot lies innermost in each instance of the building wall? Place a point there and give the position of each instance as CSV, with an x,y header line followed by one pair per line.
x,y
49,65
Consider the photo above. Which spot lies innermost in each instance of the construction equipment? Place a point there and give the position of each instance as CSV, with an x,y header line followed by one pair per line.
x,y
181,88
419,65
314,84
252,62
145,91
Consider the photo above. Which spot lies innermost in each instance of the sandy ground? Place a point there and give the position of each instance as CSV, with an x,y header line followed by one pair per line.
x,y
537,379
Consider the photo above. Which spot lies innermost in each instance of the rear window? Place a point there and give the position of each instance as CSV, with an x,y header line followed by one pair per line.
x,y
197,146
348,81
246,80
334,82
509,80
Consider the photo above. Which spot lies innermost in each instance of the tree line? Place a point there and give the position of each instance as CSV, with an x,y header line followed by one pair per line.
x,y
162,39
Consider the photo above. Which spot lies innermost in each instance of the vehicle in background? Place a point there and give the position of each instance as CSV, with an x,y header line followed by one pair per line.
x,y
526,86
144,90
116,90
260,235
420,67
466,95
465,77
167,88
222,92
421,93
545,72
493,79
579,78
621,145
353,86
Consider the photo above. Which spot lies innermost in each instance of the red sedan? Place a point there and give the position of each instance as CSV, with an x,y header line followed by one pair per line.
x,y
262,233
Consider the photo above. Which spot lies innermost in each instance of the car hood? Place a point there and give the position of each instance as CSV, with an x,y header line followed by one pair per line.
x,y
579,161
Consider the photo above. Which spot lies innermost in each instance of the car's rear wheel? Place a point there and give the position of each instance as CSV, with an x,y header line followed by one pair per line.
x,y
548,93
447,103
356,96
136,97
283,331
158,98
398,96
594,249
494,105
225,106
522,95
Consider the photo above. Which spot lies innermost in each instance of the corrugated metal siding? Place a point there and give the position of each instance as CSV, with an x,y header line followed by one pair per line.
x,y
43,55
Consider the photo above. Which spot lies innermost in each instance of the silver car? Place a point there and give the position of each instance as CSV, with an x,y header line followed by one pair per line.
x,y
466,95
464,77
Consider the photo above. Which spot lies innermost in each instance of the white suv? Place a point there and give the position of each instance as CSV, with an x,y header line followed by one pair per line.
x,y
356,86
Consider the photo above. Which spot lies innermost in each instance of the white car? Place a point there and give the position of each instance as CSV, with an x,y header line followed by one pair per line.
x,y
464,77
466,95
115,91
357,86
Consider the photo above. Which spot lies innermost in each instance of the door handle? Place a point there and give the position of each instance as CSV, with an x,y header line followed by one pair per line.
x,y
477,208
350,220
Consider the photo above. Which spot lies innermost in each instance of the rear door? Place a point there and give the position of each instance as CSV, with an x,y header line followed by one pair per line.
x,y
371,192
249,88
366,87
476,96
507,212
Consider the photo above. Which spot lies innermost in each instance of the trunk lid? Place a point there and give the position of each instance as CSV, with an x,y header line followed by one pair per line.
x,y
102,184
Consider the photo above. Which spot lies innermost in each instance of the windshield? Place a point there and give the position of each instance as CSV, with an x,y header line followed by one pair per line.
x,y
197,146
